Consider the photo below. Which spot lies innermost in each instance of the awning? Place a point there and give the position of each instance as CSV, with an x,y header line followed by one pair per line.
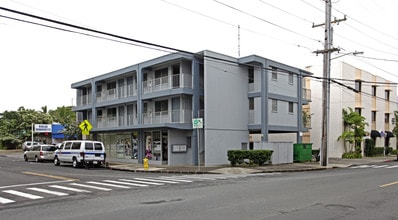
x,y
375,134
57,131
389,134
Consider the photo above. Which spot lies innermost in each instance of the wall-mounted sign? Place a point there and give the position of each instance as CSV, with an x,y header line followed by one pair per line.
x,y
177,148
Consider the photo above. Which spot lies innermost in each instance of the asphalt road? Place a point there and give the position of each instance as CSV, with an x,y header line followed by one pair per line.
x,y
366,192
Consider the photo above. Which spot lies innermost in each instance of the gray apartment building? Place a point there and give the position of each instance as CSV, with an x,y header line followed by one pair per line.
x,y
147,109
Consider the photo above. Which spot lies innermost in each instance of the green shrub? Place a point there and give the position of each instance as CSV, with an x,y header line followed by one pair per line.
x,y
258,157
352,155
369,148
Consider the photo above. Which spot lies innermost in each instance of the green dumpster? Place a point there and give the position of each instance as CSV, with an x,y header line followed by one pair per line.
x,y
302,152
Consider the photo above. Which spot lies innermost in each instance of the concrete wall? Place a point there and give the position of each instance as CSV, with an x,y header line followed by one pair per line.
x,y
282,151
226,108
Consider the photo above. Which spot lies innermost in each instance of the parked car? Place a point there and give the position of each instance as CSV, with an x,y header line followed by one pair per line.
x,y
80,152
40,153
28,144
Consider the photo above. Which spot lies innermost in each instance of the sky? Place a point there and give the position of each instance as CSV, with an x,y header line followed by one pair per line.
x,y
38,64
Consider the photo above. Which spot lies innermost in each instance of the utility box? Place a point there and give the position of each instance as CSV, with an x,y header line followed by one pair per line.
x,y
302,152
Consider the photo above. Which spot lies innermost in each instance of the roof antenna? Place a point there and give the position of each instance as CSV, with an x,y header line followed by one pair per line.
x,y
238,40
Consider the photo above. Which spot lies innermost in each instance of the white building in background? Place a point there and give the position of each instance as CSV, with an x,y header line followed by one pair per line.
x,y
376,101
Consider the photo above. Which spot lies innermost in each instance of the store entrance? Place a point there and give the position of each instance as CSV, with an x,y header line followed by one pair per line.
x,y
156,146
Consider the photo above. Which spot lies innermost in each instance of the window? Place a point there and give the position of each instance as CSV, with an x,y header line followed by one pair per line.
x,y
387,95
251,74
88,146
161,73
111,112
76,145
67,145
291,78
291,107
373,116
374,90
274,105
274,73
387,118
251,103
98,146
99,113
358,86
358,110
162,106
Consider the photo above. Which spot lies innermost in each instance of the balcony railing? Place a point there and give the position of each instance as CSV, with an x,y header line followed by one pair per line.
x,y
307,94
167,82
83,100
175,116
117,93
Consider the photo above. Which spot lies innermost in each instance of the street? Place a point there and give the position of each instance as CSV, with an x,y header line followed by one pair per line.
x,y
43,191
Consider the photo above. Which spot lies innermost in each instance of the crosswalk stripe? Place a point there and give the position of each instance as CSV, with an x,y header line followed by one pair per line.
x,y
108,184
143,182
125,183
69,188
381,166
22,194
48,191
90,186
178,179
5,201
156,180
361,166
395,166
200,178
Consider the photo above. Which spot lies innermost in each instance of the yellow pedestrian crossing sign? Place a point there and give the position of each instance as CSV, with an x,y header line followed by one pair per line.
x,y
85,126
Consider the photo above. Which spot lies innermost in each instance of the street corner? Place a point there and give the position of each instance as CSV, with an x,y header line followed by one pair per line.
x,y
234,170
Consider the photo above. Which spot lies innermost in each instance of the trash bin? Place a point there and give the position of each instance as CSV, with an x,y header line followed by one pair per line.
x,y
302,152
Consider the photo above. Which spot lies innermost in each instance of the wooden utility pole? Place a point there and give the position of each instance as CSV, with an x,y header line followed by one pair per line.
x,y
328,49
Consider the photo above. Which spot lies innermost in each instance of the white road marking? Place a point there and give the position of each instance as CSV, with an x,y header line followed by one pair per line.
x,y
157,180
125,183
5,201
108,184
143,182
22,194
48,191
395,166
90,186
35,184
69,188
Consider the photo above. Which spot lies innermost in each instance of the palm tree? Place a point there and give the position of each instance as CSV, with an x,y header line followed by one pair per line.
x,y
354,129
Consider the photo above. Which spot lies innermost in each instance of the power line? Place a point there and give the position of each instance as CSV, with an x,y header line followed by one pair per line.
x,y
266,21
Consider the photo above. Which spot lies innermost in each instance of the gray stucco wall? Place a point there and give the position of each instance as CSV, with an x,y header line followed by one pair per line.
x,y
226,107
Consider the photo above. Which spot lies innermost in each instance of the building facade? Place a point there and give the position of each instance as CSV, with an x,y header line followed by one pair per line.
x,y
375,100
147,109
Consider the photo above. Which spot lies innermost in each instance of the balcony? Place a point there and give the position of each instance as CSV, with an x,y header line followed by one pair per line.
x,y
117,93
175,116
167,82
83,100
307,94
116,121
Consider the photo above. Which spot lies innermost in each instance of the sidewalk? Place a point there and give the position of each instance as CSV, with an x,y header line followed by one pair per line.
x,y
227,169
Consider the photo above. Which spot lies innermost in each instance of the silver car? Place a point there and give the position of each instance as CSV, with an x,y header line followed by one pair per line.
x,y
40,153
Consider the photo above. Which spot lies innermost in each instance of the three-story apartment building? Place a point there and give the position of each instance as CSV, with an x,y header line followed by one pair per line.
x,y
146,110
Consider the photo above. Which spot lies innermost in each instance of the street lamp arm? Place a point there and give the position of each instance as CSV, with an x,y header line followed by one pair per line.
x,y
351,53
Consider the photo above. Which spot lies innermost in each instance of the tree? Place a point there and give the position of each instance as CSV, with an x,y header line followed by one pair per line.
x,y
66,117
354,130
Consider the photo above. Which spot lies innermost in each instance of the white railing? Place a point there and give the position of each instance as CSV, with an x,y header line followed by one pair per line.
x,y
175,116
167,82
83,100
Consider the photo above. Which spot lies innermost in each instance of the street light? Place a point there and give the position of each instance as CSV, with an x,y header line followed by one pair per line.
x,y
351,53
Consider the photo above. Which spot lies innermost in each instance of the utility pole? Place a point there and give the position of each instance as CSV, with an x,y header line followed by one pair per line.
x,y
328,49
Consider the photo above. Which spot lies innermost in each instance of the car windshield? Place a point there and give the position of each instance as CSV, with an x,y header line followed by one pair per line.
x,y
48,148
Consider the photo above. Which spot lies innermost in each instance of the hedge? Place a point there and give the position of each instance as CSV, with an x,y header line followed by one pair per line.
x,y
258,157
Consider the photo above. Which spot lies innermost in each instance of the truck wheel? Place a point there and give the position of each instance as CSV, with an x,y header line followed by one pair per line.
x,y
75,164
56,161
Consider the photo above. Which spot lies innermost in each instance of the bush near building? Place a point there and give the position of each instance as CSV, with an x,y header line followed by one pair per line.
x,y
257,157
